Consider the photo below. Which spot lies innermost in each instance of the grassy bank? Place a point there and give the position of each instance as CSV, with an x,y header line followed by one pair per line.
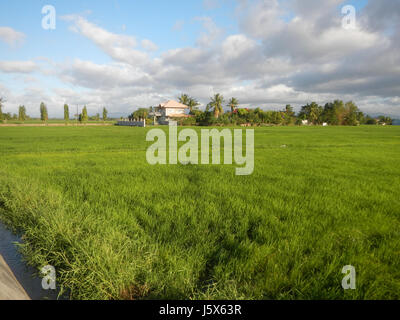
x,y
115,227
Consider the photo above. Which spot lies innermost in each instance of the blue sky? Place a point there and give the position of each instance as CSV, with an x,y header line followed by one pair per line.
x,y
200,47
154,20
169,24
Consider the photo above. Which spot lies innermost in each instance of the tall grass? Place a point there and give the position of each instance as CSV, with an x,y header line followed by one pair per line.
x,y
117,228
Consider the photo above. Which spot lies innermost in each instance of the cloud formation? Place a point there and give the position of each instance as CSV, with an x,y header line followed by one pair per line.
x,y
11,36
17,66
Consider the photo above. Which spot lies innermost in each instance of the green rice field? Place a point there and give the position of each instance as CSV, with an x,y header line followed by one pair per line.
x,y
115,227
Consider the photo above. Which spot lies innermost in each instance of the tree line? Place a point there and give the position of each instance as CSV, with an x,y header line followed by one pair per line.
x,y
217,112
221,112
44,116
83,116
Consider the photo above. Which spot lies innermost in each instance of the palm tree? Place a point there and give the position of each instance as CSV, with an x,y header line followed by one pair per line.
x,y
192,104
184,99
216,103
233,104
187,100
315,112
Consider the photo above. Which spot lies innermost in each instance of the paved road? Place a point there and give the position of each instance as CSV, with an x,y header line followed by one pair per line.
x,y
10,289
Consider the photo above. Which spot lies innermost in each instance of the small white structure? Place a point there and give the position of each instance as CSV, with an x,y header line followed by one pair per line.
x,y
304,122
325,124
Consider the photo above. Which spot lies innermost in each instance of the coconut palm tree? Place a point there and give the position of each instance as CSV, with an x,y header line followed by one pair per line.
x,y
233,104
187,100
315,112
192,104
216,103
184,99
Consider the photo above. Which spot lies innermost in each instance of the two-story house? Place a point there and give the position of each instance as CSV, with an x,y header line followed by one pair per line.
x,y
170,110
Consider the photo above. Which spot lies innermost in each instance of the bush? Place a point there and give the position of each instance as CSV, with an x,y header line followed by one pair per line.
x,y
188,122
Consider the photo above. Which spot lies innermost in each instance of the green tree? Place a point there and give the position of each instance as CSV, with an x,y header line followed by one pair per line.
x,y
66,112
105,113
21,113
350,114
361,117
189,101
184,99
333,113
242,113
233,104
192,104
369,120
1,109
385,120
84,117
316,113
43,112
311,112
276,117
7,116
288,115
141,113
216,104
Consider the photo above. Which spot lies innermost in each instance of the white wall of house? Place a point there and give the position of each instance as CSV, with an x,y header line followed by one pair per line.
x,y
173,111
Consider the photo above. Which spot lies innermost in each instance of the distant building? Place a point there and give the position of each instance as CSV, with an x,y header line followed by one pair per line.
x,y
170,110
304,122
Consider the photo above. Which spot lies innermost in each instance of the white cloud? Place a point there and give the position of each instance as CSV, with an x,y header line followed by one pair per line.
x,y
119,47
149,45
261,19
17,66
90,75
10,36
211,34
287,62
